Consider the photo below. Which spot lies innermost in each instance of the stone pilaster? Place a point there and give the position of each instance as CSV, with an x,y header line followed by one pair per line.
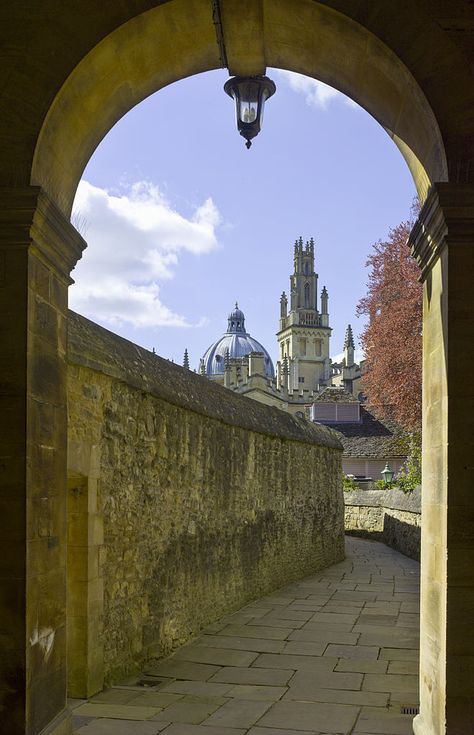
x,y
442,240
38,249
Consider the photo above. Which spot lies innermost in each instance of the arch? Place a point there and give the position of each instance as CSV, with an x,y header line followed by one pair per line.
x,y
146,53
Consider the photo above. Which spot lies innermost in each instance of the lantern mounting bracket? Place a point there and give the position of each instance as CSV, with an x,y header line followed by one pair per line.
x,y
217,20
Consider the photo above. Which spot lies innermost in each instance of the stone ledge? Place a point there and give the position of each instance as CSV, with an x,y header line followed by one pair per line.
x,y
96,348
391,499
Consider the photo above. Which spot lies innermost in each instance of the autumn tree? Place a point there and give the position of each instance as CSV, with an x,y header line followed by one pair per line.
x,y
392,337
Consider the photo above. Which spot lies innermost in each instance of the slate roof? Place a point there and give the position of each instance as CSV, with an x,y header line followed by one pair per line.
x,y
335,394
372,437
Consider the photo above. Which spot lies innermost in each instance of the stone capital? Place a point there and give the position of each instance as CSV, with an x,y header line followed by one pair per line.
x,y
446,218
30,219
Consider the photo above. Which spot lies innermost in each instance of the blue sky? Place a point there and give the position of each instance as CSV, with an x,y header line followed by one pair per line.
x,y
182,220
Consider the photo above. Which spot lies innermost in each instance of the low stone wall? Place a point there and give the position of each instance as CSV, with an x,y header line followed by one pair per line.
x,y
390,516
198,500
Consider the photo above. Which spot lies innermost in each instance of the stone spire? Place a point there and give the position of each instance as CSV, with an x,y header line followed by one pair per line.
x,y
186,359
283,305
324,300
349,347
349,340
324,307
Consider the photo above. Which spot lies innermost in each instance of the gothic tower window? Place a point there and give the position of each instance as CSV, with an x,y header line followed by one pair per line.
x,y
306,296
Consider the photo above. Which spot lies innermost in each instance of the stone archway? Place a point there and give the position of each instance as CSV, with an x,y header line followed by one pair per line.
x,y
69,75
151,55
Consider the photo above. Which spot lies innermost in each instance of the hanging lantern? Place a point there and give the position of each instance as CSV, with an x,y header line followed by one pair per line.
x,y
250,95
387,473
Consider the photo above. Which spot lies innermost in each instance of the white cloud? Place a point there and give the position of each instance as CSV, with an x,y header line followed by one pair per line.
x,y
358,356
317,94
134,241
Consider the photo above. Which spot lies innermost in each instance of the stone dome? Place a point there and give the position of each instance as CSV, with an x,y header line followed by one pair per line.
x,y
236,343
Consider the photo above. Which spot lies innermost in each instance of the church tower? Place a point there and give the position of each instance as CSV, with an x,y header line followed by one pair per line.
x,y
303,336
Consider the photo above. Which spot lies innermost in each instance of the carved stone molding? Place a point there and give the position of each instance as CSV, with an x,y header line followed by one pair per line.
x,y
29,218
446,218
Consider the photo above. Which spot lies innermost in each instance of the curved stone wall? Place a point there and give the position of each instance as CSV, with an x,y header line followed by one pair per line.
x,y
198,499
390,516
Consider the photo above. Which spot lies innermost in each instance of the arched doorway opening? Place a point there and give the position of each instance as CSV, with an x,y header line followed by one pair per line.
x,y
161,45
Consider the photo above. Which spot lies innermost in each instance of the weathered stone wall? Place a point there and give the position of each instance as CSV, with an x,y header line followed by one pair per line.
x,y
207,499
390,516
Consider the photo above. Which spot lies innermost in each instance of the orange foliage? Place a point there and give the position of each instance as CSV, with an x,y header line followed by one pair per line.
x,y
392,338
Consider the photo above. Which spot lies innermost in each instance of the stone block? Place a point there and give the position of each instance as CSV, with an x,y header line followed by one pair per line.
x,y
238,713
307,715
259,676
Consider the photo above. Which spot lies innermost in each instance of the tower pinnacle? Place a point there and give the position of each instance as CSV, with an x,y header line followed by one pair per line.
x,y
186,359
349,339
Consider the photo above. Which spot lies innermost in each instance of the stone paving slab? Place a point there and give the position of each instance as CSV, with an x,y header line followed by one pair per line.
x,y
266,677
122,727
390,683
333,654
361,666
155,699
216,656
378,619
274,622
238,713
191,710
116,696
313,635
390,639
279,731
288,661
183,670
410,607
363,652
262,645
307,692
289,613
333,626
403,667
257,693
399,654
179,729
337,718
340,618
374,721
253,631
305,648
198,688
116,711
304,681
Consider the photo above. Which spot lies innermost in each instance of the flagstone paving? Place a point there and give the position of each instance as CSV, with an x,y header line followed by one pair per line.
x,y
332,654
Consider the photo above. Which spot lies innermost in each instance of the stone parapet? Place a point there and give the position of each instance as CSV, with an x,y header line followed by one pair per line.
x,y
100,350
390,516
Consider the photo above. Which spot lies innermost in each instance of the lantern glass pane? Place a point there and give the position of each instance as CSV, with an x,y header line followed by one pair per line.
x,y
248,111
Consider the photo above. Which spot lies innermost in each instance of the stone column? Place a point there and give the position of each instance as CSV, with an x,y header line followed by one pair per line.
x,y
443,243
38,249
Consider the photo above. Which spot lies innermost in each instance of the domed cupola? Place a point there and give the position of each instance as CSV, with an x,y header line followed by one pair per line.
x,y
236,343
236,321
